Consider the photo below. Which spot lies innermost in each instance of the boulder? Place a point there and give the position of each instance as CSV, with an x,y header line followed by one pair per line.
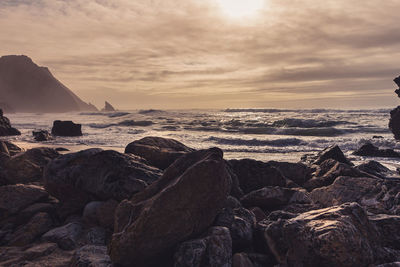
x,y
65,236
336,236
12,148
91,255
253,175
215,249
28,167
14,198
41,135
376,169
273,198
95,174
5,126
159,152
332,152
296,172
369,150
100,213
182,204
388,226
374,194
66,128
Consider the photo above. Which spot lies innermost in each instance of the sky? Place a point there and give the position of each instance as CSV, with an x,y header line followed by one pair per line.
x,y
173,54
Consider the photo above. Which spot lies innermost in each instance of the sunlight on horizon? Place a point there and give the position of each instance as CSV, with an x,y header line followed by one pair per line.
x,y
240,8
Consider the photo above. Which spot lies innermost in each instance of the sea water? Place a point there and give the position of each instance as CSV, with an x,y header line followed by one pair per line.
x,y
262,134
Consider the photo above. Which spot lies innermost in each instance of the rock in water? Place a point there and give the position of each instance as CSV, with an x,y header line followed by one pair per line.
x,y
394,122
159,152
369,150
107,107
29,88
66,128
95,174
5,126
182,204
41,135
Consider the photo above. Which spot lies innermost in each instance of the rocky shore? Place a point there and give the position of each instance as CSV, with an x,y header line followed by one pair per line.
x,y
162,203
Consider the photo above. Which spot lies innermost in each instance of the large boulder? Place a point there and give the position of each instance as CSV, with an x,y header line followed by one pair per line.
x,y
66,128
332,152
159,152
95,174
369,150
336,236
5,126
182,204
253,174
296,172
374,194
27,167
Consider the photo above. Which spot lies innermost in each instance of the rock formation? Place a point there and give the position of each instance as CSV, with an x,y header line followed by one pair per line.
x,y
5,126
66,128
394,122
26,87
107,107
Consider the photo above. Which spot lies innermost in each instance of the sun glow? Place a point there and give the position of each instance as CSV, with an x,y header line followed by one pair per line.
x,y
240,8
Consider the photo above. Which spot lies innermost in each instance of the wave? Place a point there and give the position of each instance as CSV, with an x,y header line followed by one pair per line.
x,y
135,123
274,110
118,114
150,111
307,123
256,142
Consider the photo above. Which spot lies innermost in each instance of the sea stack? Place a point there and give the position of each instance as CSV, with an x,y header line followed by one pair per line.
x,y
107,107
394,123
27,87
5,126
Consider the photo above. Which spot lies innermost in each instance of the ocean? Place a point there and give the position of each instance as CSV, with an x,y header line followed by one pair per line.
x,y
262,134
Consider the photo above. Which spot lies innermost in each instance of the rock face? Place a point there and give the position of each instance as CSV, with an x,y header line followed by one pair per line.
x,y
336,236
369,150
66,128
182,203
95,174
159,152
108,107
394,122
5,126
29,88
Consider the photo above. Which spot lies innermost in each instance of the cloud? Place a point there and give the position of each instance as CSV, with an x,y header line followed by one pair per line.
x,y
165,52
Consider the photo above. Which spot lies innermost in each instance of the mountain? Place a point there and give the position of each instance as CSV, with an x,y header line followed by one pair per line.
x,y
107,107
27,87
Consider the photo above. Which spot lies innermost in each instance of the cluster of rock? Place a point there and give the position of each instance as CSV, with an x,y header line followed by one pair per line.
x,y
164,204
5,126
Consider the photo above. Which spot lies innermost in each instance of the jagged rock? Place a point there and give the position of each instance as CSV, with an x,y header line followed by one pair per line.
x,y
41,135
296,172
28,167
91,255
374,194
253,175
273,198
14,198
24,215
394,122
37,225
329,170
29,88
332,152
96,236
181,204
23,256
66,128
336,236
5,126
65,236
12,148
388,226
215,249
369,150
376,169
107,107
159,152
95,174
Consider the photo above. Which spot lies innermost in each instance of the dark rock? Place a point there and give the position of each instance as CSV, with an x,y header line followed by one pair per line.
x,y
5,126
273,198
332,152
94,174
375,195
65,236
329,170
108,107
37,225
252,260
62,149
388,226
29,88
100,213
41,135
377,137
181,204
66,128
213,250
297,172
159,152
369,150
96,236
14,198
12,148
91,256
323,238
394,122
28,167
253,175
31,210
376,169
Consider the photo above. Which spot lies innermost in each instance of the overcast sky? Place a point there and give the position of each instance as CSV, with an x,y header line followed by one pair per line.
x,y
191,54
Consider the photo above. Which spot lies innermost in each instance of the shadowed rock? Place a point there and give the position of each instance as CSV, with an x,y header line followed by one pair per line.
x,y
5,126
41,135
66,128
369,150
181,204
